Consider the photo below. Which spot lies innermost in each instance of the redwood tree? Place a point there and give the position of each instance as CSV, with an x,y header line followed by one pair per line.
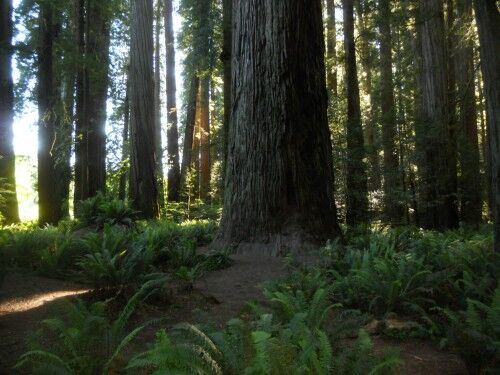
x,y
8,209
174,174
357,189
488,23
279,178
438,161
143,182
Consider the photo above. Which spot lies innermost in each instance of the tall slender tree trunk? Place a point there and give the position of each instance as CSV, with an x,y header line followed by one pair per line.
x,y
93,37
488,23
143,179
227,30
370,129
205,139
468,146
279,181
485,145
393,207
8,209
158,127
122,190
98,29
81,175
187,151
51,189
357,190
438,164
331,49
174,173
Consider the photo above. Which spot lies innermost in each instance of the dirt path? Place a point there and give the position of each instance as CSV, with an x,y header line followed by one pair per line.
x,y
25,300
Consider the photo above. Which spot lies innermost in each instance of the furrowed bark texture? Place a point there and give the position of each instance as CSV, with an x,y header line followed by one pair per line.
x,y
393,189
174,172
467,132
488,23
356,177
205,139
52,172
279,182
143,181
438,162
9,210
227,29
158,127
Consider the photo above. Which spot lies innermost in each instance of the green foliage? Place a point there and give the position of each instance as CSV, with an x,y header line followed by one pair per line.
x,y
182,211
83,339
475,334
111,261
102,210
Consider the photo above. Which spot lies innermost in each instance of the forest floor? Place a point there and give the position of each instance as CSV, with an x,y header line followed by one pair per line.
x,y
25,300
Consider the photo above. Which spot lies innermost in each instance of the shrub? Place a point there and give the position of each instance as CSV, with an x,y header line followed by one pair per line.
x,y
102,210
83,340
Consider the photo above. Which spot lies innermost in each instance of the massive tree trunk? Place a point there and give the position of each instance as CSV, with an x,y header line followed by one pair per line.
x,y
468,146
393,190
8,208
158,127
331,49
438,162
357,190
81,175
204,143
488,23
187,151
52,189
174,173
143,181
227,29
279,182
93,39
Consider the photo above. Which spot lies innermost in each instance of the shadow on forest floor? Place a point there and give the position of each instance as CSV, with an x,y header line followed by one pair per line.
x,y
25,300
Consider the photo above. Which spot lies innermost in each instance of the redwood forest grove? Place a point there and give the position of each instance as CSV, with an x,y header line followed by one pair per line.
x,y
259,187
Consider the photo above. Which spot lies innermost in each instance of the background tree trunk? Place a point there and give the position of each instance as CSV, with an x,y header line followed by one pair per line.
x,y
9,209
393,208
189,129
438,164
143,181
122,189
227,29
51,168
468,146
174,173
204,139
279,181
331,48
488,23
356,179
158,127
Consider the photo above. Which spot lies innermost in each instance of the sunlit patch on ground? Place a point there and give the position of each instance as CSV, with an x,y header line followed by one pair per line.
x,y
17,305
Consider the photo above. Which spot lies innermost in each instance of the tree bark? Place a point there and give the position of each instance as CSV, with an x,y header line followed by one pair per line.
x,y
51,166
468,146
189,129
174,173
122,190
488,23
438,164
93,39
331,49
279,181
9,208
158,127
356,178
393,190
204,144
227,30
374,173
143,179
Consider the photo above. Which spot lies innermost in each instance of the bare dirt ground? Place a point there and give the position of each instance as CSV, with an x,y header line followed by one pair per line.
x,y
25,300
